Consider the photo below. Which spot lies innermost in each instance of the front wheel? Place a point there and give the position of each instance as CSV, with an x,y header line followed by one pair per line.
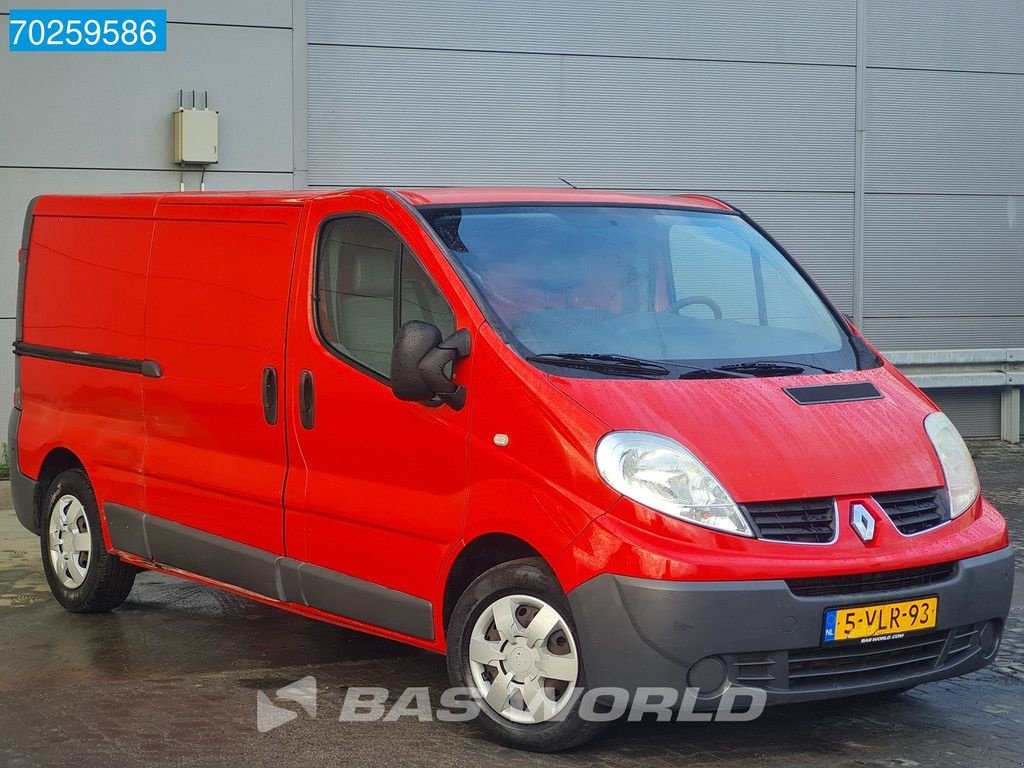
x,y
82,575
512,639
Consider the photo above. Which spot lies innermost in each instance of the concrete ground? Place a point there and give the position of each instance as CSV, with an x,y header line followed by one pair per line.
x,y
172,678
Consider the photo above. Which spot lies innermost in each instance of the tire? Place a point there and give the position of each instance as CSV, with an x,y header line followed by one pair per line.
x,y
513,659
82,575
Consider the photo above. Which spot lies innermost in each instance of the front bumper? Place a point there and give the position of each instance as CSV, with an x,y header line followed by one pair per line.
x,y
648,633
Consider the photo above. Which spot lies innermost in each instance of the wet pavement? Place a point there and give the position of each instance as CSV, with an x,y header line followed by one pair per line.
x,y
172,678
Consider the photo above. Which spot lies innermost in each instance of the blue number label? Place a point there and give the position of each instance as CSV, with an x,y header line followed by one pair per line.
x,y
92,30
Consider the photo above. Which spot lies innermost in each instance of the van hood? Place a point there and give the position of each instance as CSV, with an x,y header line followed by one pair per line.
x,y
765,446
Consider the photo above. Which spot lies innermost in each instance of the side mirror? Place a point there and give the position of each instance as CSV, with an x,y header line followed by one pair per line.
x,y
420,361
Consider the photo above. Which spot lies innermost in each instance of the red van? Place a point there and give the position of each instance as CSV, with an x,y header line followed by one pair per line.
x,y
572,439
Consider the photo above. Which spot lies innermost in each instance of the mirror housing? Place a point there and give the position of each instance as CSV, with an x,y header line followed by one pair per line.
x,y
418,364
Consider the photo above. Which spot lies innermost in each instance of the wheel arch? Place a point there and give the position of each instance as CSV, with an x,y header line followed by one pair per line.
x,y
57,460
477,556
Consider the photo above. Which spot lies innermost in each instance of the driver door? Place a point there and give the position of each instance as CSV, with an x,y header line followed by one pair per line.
x,y
376,486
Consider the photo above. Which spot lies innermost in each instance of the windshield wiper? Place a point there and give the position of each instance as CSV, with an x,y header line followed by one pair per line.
x,y
696,372
603,363
634,365
775,367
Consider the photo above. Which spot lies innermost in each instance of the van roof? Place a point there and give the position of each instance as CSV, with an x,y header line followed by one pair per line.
x,y
446,196
540,195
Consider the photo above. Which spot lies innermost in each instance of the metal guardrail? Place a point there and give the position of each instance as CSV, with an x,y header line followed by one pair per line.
x,y
970,368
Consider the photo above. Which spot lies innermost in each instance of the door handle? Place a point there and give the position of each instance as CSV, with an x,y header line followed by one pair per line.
x,y
270,395
307,409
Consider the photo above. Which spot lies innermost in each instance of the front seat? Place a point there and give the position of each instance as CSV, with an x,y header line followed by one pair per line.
x,y
365,308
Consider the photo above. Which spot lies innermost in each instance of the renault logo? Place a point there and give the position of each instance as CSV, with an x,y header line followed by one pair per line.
x,y
862,522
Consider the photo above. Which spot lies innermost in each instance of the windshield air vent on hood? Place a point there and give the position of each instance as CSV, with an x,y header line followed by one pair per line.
x,y
834,393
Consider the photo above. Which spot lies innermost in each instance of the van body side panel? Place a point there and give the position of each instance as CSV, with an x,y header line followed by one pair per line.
x,y
86,284
216,314
85,292
545,502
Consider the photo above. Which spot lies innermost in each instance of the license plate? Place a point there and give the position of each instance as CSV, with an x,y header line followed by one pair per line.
x,y
886,621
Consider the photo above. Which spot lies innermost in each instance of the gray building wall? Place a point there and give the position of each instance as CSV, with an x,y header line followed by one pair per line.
x,y
95,122
881,141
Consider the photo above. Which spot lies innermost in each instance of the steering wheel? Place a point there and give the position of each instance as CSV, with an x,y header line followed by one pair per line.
x,y
705,300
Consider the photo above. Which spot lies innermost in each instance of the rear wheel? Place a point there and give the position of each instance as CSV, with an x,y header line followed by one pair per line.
x,y
512,640
82,575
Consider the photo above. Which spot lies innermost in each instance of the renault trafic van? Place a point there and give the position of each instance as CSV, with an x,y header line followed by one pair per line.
x,y
574,440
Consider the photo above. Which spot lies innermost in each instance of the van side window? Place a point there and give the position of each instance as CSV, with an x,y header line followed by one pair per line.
x,y
361,267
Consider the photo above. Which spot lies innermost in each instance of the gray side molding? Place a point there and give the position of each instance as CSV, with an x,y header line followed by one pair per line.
x,y
280,578
23,488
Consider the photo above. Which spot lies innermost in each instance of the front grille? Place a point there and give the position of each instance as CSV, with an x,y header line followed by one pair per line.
x,y
808,521
863,583
852,664
847,666
963,639
915,511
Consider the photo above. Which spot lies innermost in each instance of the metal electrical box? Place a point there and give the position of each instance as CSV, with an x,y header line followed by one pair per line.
x,y
195,136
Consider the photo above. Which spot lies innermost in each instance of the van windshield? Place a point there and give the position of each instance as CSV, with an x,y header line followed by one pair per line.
x,y
601,288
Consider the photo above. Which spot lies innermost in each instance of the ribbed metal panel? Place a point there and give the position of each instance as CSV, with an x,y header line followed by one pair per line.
x,y
948,132
974,411
250,13
429,117
948,332
941,256
980,35
443,117
6,361
49,119
803,31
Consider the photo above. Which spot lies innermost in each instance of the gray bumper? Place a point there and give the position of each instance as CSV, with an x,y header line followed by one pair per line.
x,y
638,632
23,488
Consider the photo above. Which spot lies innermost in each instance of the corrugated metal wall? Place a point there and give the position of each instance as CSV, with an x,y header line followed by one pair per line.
x,y
754,102
944,174
975,411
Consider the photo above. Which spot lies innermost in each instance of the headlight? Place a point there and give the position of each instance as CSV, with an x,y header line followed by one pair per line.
x,y
957,464
663,475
